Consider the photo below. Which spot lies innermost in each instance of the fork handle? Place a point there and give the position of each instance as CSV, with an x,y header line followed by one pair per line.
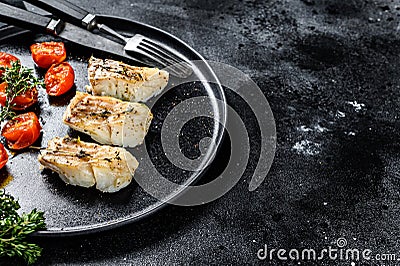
x,y
109,31
67,12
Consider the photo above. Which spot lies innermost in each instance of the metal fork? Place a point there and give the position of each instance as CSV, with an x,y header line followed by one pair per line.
x,y
157,52
147,48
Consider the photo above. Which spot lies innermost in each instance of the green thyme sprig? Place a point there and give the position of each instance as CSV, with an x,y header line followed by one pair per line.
x,y
14,229
19,79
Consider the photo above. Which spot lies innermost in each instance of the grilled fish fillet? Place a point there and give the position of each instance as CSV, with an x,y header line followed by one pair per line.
x,y
108,120
86,164
135,84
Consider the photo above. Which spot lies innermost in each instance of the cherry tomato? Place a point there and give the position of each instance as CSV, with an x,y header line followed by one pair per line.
x,y
3,156
22,101
47,53
59,79
22,131
5,60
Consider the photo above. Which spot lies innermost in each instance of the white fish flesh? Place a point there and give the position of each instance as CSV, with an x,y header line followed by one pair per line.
x,y
86,164
108,120
129,83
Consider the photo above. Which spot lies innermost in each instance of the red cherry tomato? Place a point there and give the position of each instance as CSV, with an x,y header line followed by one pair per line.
x,y
5,60
3,156
22,131
59,79
22,101
47,53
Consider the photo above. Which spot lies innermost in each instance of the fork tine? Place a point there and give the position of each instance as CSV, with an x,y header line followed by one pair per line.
x,y
150,54
161,54
180,62
145,53
165,50
166,57
164,61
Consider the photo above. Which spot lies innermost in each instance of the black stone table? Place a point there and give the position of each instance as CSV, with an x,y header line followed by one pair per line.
x,y
331,73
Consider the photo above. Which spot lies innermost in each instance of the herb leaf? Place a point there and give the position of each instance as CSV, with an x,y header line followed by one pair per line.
x,y
19,79
15,228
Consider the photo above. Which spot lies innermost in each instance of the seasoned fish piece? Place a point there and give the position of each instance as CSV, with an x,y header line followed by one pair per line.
x,y
108,120
135,84
85,164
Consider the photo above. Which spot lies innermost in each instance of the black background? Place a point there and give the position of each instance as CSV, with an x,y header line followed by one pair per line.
x,y
311,59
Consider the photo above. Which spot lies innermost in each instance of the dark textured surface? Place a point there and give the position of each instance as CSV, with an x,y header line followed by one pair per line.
x,y
330,70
